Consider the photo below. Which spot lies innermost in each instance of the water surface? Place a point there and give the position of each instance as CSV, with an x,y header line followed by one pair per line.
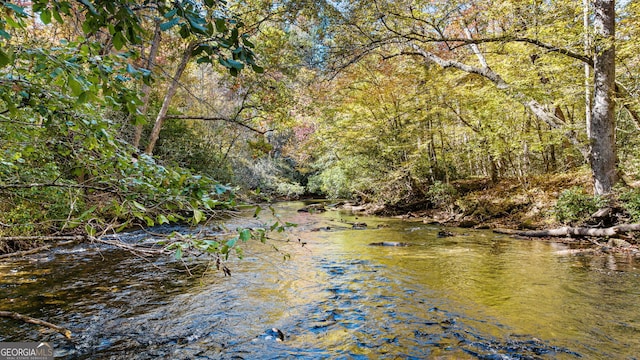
x,y
471,295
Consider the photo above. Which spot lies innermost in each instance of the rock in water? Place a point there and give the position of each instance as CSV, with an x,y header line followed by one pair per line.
x,y
275,333
389,243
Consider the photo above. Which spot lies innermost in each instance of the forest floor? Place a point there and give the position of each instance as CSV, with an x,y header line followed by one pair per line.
x,y
509,203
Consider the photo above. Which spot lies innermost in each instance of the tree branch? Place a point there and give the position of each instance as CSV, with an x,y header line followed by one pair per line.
x,y
75,186
215,118
533,105
31,320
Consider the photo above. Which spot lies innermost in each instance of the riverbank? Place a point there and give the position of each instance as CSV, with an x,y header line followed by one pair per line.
x,y
479,203
557,208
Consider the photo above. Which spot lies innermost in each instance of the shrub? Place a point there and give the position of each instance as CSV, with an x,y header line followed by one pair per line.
x,y
290,190
631,202
331,182
575,205
441,194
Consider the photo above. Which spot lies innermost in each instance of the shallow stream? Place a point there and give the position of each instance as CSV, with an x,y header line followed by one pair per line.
x,y
473,295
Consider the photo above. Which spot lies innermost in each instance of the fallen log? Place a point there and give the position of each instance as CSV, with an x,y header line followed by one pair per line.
x,y
31,320
25,252
573,231
44,238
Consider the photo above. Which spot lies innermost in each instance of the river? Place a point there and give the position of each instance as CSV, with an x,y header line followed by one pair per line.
x,y
473,295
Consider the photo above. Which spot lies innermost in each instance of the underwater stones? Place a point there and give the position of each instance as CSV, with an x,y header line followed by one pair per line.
x,y
388,243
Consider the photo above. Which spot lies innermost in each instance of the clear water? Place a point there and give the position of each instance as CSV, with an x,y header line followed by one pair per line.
x,y
472,295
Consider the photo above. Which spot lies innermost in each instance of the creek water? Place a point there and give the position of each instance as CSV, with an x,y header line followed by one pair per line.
x,y
471,295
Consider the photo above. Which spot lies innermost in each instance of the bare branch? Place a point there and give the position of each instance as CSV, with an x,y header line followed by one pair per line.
x,y
75,186
31,320
216,118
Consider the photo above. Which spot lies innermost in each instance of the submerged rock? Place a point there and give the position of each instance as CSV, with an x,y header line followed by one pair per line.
x,y
359,226
389,243
272,334
444,233
322,228
313,208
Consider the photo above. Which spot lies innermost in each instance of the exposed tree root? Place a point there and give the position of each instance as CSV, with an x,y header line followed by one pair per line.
x,y
31,320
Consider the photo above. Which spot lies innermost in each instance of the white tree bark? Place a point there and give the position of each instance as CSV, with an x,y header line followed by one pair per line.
x,y
602,142
146,89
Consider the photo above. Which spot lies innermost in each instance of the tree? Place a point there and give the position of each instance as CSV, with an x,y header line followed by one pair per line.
x,y
602,152
69,72
449,34
212,37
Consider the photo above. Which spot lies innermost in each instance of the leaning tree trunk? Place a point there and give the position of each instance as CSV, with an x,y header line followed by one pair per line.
x,y
146,89
602,151
171,91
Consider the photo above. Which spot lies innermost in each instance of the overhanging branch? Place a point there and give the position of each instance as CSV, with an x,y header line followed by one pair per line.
x,y
215,118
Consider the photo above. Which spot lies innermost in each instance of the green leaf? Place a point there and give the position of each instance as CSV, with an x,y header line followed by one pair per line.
x,y
17,9
4,59
248,43
221,26
57,16
118,40
184,31
257,212
205,59
235,64
131,69
139,206
161,219
178,254
87,27
245,234
90,7
45,16
149,221
196,24
75,85
169,24
171,13
198,216
83,97
257,69
232,242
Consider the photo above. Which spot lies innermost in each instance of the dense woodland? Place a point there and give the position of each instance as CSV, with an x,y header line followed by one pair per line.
x,y
144,112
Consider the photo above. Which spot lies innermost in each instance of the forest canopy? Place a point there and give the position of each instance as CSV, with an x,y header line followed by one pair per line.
x,y
116,113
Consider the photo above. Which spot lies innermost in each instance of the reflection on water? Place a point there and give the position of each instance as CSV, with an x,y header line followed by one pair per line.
x,y
472,295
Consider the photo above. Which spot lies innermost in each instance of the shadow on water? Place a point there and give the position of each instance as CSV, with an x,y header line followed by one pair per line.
x,y
473,295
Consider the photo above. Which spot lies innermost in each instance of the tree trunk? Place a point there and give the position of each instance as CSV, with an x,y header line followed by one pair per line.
x,y
574,231
171,91
146,89
587,67
602,151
